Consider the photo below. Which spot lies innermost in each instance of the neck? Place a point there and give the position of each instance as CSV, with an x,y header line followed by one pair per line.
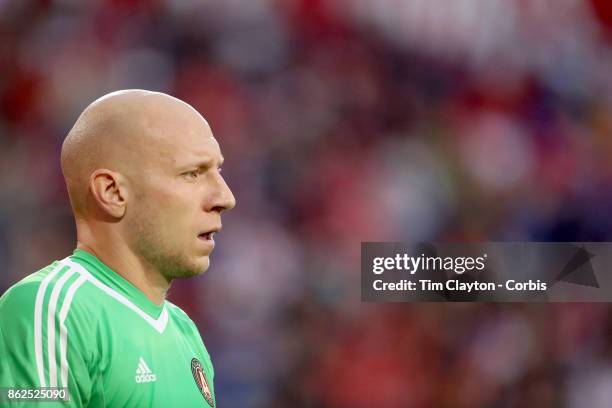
x,y
115,253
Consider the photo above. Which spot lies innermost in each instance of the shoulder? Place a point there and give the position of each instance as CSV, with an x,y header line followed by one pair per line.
x,y
178,313
189,328
52,289
181,319
22,295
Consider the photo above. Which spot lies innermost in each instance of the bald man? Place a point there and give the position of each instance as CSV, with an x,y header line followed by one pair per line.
x,y
143,173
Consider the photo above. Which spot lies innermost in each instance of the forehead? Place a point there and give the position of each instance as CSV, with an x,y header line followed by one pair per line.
x,y
178,142
188,148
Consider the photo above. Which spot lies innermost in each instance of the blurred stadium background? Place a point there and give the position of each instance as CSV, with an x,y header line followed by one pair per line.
x,y
345,121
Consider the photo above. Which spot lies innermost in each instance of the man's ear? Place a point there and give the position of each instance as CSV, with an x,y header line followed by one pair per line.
x,y
109,191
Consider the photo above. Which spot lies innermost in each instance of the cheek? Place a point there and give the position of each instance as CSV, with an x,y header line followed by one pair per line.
x,y
154,198
174,214
170,210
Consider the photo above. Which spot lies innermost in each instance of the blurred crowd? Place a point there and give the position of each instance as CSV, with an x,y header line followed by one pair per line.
x,y
344,121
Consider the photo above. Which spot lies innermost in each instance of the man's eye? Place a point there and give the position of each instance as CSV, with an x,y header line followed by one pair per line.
x,y
192,174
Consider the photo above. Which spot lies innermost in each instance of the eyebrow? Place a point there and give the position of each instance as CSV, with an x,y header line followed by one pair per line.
x,y
205,163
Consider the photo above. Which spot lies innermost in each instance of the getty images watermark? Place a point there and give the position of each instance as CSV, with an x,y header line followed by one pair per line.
x,y
501,272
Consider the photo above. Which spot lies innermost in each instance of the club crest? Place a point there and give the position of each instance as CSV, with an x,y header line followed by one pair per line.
x,y
200,378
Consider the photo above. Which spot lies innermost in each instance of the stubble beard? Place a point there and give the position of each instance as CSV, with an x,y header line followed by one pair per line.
x,y
169,260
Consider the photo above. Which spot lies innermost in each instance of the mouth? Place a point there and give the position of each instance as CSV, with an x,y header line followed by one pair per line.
x,y
206,236
209,235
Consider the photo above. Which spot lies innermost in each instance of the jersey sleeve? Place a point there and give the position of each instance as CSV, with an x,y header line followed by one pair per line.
x,y
40,346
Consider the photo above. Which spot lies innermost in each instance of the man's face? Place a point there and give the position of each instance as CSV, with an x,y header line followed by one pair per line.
x,y
178,198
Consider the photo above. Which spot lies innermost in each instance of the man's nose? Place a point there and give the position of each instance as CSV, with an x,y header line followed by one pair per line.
x,y
223,197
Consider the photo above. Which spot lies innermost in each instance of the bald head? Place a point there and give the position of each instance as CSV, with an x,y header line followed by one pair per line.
x,y
122,131
143,172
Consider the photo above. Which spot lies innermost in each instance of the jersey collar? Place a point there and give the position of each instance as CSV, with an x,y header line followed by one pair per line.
x,y
118,283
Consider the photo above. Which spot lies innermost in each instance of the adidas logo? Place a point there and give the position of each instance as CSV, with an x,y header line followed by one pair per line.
x,y
144,373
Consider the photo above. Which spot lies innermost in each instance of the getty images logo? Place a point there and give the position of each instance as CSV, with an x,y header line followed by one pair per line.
x,y
144,373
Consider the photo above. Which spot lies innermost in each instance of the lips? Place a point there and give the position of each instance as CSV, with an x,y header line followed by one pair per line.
x,y
208,235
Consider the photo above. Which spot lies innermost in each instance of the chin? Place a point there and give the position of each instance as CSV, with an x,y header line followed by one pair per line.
x,y
189,273
191,268
203,264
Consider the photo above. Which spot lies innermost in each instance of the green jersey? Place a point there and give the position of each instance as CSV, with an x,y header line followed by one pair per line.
x,y
78,325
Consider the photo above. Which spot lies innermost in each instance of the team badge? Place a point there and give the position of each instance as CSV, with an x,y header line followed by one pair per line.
x,y
200,378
